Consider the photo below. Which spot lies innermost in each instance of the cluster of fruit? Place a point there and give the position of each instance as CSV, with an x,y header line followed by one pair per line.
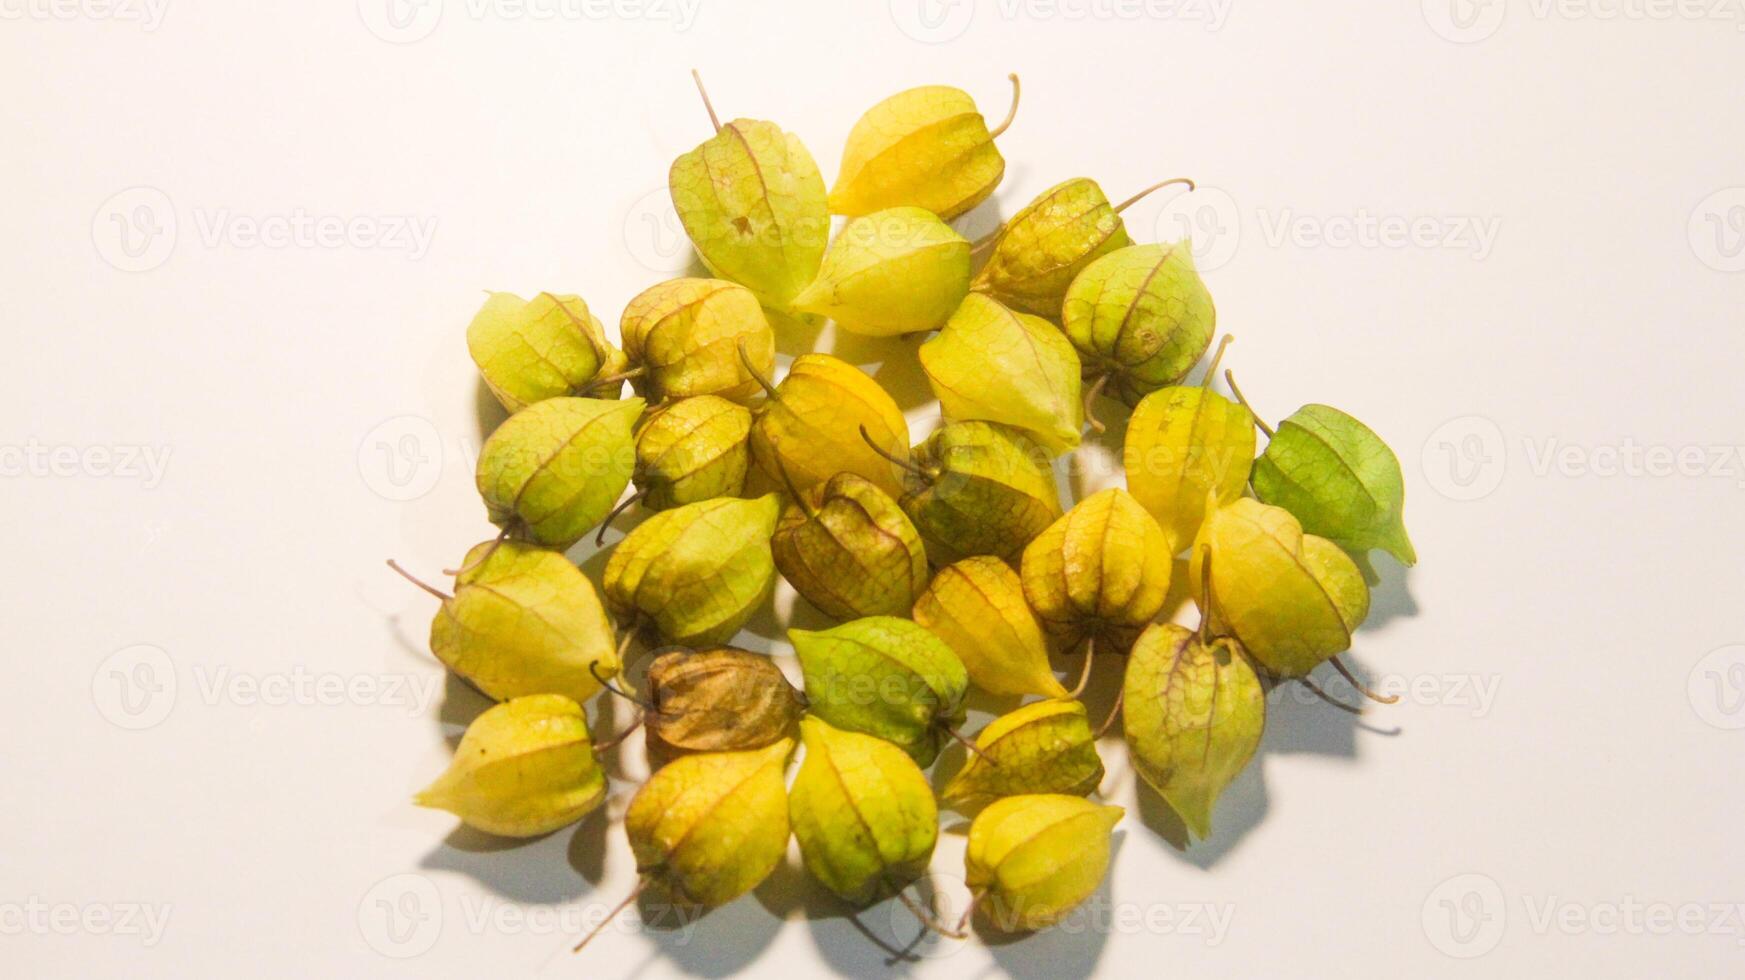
x,y
947,564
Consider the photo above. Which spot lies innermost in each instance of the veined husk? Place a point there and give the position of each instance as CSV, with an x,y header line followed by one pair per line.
x,y
553,470
524,620
892,272
686,335
883,676
991,363
1182,444
925,147
863,813
1337,477
524,768
546,347
752,201
977,607
979,488
1032,859
1141,316
1291,599
695,573
849,550
1102,571
692,449
1193,713
1042,747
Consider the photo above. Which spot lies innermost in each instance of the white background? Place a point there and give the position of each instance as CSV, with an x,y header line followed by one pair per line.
x,y
1562,796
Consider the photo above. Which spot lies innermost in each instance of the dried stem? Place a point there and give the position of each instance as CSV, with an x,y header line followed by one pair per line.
x,y
621,736
1135,199
971,746
1010,113
763,382
788,481
1217,356
415,580
640,885
975,901
928,919
892,458
1206,595
495,544
1085,671
1230,376
1114,712
606,682
612,380
1096,389
1363,689
713,121
606,525
1323,695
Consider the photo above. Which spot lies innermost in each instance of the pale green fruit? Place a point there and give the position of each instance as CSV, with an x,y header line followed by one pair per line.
x,y
997,365
709,827
1335,475
1032,859
1140,317
1291,599
697,573
524,620
892,272
692,449
1042,747
1193,712
686,337
523,768
752,201
546,347
884,676
553,470
863,813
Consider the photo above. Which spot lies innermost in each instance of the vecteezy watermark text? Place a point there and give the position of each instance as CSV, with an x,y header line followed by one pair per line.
x,y
36,917
39,460
148,14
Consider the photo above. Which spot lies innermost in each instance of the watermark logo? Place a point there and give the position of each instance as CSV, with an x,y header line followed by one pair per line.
x,y
654,235
1717,688
1208,219
401,459
933,21
135,687
135,229
1717,230
400,21
401,916
1464,21
1465,458
1465,917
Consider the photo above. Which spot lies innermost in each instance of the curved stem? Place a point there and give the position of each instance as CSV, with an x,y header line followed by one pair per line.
x,y
495,544
1217,356
1323,695
1230,376
975,901
1135,199
1017,90
1115,712
621,736
788,481
641,883
1096,389
927,918
1085,671
1345,672
606,525
892,458
971,746
763,382
408,576
713,121
606,682
611,380
1206,594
